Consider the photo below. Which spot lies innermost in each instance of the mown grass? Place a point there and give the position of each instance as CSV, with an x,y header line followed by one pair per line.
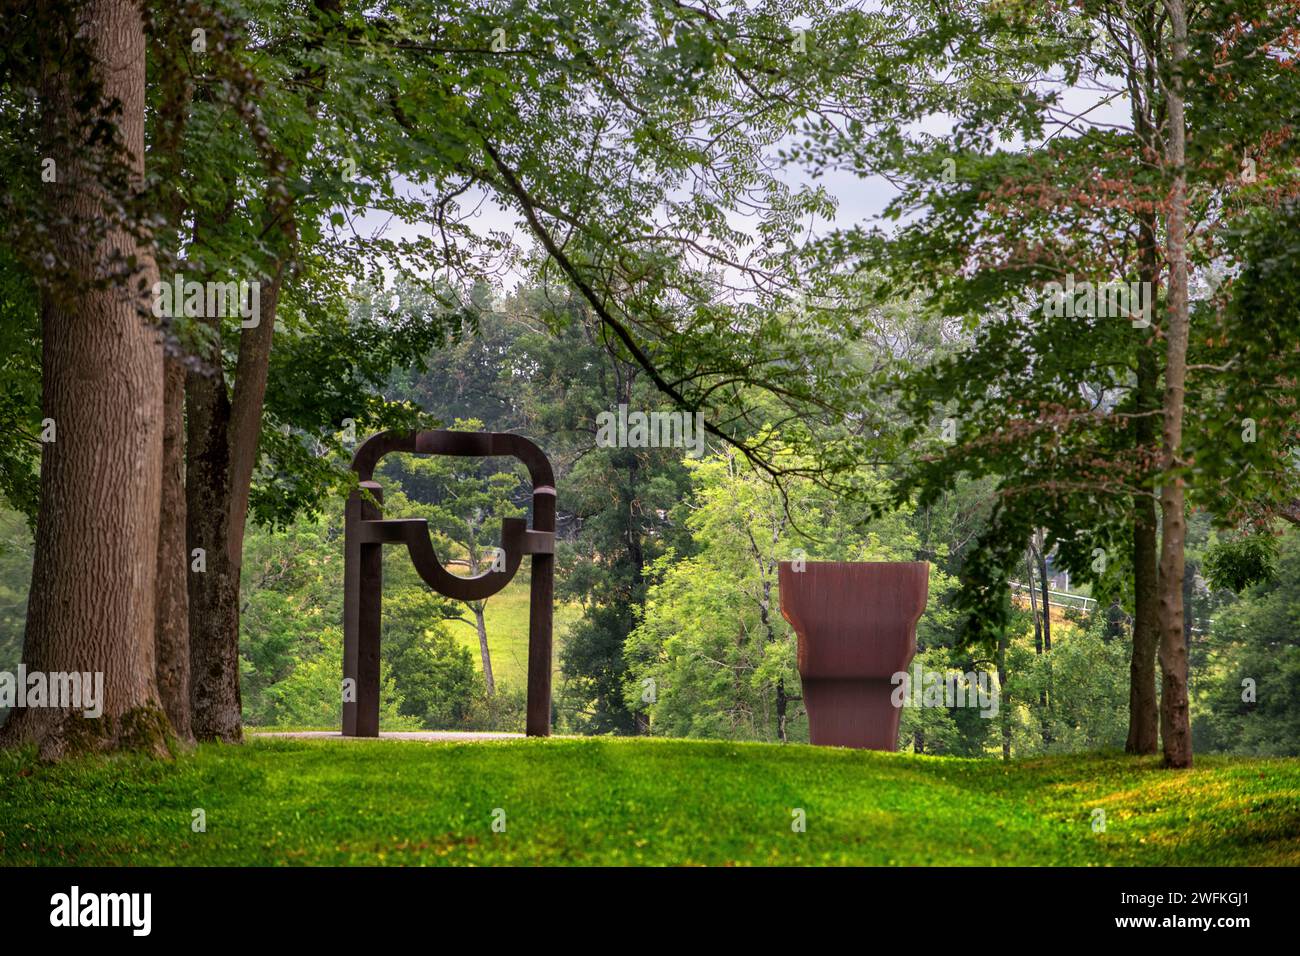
x,y
611,801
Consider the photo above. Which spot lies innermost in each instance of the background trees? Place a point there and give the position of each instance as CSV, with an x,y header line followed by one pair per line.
x,y
1065,415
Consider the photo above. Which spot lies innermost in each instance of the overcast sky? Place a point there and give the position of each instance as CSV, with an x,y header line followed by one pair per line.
x,y
860,201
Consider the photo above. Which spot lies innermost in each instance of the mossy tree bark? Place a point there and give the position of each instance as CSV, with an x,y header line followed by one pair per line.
x,y
91,604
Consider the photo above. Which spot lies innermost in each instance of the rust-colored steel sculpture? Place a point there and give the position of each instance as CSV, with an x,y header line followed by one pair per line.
x,y
856,624
366,531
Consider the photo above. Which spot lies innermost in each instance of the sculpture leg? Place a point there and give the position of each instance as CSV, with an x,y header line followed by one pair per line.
x,y
372,590
363,584
539,646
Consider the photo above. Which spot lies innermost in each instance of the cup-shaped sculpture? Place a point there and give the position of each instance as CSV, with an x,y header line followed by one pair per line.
x,y
856,624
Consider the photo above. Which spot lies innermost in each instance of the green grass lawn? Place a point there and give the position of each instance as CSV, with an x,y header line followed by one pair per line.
x,y
611,801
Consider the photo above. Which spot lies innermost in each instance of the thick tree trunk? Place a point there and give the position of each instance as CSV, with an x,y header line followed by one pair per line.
x,y
221,454
214,593
168,45
1175,725
172,625
91,604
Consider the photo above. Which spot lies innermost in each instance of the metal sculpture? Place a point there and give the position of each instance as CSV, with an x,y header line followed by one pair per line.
x,y
856,625
366,531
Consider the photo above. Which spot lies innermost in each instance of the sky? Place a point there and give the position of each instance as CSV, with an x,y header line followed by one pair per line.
x,y
860,200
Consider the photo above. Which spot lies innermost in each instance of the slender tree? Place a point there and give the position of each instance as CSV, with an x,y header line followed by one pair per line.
x,y
1175,719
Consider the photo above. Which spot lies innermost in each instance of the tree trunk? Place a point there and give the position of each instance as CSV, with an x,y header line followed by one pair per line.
x,y
168,44
1004,708
780,710
91,603
1143,728
1037,545
222,454
172,625
783,701
214,593
1040,552
1175,727
227,430
481,624
1033,600
1143,721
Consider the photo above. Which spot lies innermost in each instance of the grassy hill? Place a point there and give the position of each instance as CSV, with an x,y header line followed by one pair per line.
x,y
621,801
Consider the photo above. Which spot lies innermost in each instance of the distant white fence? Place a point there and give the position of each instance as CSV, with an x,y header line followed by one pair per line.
x,y
1058,598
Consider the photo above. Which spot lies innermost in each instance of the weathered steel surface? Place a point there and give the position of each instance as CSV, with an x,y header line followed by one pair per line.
x,y
856,626
366,531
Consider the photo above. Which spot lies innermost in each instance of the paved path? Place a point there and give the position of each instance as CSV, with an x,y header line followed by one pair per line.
x,y
461,735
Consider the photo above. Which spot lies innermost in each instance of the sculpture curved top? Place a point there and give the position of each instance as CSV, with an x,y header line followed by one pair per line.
x,y
854,619
516,538
459,445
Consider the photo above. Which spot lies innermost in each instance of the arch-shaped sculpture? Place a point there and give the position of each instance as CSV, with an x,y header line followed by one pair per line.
x,y
366,531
